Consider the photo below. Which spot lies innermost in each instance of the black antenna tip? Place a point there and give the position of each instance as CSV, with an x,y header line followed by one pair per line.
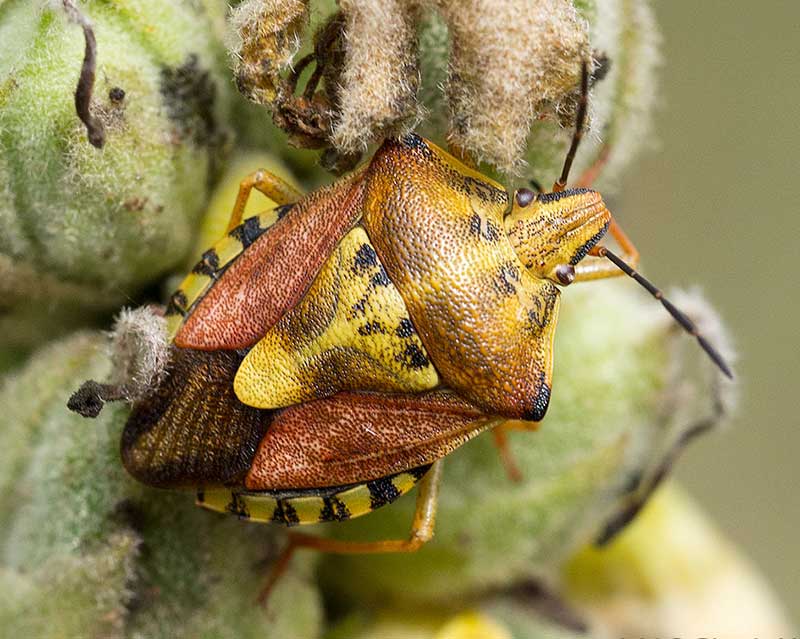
x,y
681,318
715,356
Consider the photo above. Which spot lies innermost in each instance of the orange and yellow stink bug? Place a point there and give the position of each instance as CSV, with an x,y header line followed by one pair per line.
x,y
327,355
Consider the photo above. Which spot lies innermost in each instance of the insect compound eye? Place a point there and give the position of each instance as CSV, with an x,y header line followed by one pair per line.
x,y
525,197
565,273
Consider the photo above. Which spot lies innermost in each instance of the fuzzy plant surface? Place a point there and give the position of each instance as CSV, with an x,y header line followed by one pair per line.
x,y
672,568
87,551
669,573
496,80
82,228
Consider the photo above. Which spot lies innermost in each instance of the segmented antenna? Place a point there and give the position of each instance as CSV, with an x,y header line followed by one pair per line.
x,y
688,325
580,120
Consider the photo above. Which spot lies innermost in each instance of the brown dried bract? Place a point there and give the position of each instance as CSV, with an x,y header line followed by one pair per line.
x,y
511,62
83,92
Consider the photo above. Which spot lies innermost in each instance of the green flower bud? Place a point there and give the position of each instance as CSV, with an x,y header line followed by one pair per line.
x,y
83,227
86,551
627,385
672,573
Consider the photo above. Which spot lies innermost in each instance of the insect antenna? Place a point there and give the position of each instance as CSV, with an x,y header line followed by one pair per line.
x,y
688,325
580,121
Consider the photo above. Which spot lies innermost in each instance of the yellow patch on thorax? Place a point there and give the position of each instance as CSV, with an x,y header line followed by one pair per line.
x,y
351,331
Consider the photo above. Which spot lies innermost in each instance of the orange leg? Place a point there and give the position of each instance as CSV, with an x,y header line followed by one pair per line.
x,y
588,177
500,434
267,183
506,456
599,268
421,532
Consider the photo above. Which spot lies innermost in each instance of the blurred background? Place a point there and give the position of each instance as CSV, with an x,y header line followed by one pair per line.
x,y
713,204
709,204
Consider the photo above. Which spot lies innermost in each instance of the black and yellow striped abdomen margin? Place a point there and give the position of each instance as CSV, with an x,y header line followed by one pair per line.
x,y
213,264
314,505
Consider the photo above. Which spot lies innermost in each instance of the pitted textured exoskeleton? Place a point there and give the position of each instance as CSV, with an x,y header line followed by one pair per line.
x,y
328,354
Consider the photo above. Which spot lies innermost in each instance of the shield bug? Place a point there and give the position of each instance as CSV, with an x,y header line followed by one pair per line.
x,y
327,355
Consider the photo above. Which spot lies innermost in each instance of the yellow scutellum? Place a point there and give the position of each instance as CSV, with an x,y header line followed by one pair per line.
x,y
321,344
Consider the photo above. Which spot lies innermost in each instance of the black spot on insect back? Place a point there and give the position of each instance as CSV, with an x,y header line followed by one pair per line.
x,y
492,233
359,308
475,225
413,357
371,328
484,191
365,258
507,279
486,231
380,278
405,328
540,312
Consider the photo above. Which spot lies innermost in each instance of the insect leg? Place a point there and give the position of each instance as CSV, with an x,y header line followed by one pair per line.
x,y
421,531
637,498
597,269
591,173
270,185
500,435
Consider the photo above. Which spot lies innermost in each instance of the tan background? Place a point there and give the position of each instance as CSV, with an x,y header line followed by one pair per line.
x,y
718,204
